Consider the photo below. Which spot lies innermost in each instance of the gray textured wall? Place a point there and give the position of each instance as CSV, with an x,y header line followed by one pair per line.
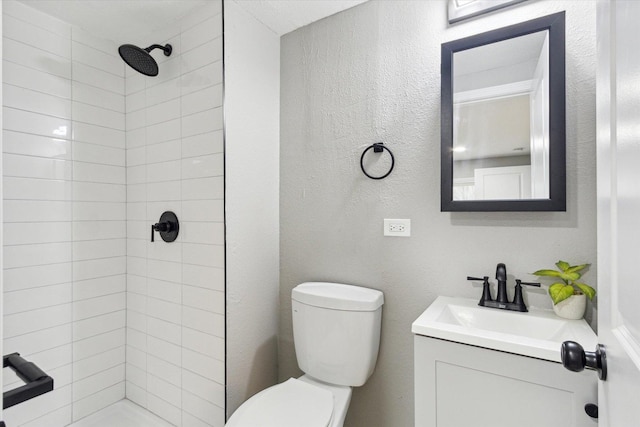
x,y
372,73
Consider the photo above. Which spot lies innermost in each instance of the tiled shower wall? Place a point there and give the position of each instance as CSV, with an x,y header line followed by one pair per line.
x,y
175,291
91,160
65,212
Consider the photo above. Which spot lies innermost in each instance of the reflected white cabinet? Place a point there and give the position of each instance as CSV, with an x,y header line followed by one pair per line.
x,y
459,385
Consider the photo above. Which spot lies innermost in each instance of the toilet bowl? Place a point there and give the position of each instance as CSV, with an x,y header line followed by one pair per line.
x,y
302,402
336,332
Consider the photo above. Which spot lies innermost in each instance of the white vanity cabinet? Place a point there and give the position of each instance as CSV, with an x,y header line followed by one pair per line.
x,y
461,385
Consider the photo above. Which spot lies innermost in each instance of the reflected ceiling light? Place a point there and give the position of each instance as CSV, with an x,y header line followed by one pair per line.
x,y
459,149
61,131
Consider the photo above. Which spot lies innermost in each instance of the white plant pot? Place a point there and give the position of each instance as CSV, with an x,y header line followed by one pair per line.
x,y
572,308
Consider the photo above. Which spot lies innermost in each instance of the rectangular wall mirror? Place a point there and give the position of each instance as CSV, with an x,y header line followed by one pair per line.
x,y
503,119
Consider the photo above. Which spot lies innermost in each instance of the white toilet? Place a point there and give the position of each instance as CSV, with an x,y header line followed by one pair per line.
x,y
336,331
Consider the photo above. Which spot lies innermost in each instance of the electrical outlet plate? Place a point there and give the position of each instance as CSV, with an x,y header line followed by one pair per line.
x,y
397,227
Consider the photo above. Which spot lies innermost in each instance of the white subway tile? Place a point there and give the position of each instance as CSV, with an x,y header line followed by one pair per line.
x,y
164,310
206,344
137,357
35,58
88,55
16,165
211,8
202,122
136,394
37,102
98,344
136,101
136,376
36,189
203,144
203,188
155,209
97,97
136,266
93,153
35,123
36,210
97,230
137,174
97,382
160,113
164,350
96,249
94,364
92,288
136,284
163,152
35,320
97,77
202,232
137,138
136,321
22,233
135,120
204,321
22,76
107,46
203,388
164,191
160,252
164,409
165,370
203,210
201,33
163,389
201,78
36,276
97,325
191,421
98,135
85,211
165,171
136,302
58,418
134,82
38,341
164,270
98,192
36,145
92,172
35,36
200,364
36,254
136,193
205,54
164,330
33,16
202,100
55,357
203,277
97,401
162,92
98,116
83,270
161,132
207,255
92,307
204,299
136,248
136,156
202,167
168,69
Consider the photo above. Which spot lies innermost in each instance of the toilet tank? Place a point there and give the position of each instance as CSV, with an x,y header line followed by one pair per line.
x,y
336,331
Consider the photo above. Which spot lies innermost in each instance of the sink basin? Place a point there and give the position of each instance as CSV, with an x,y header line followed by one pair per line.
x,y
538,333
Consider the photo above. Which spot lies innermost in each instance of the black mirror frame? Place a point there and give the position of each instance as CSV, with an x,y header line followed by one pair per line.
x,y
555,24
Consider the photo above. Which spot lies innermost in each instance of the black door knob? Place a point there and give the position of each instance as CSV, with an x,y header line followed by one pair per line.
x,y
575,359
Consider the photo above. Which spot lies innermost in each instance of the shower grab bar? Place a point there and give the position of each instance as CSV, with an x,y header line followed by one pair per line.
x,y
37,381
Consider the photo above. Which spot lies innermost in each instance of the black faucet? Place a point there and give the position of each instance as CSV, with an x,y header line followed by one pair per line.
x,y
502,301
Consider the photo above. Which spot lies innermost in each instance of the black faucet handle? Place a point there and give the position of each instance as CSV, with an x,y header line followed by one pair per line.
x,y
480,279
520,282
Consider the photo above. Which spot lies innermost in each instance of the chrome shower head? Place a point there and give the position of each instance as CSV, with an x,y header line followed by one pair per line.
x,y
140,59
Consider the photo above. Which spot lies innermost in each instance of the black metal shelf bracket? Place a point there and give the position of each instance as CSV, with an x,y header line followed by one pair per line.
x,y
37,381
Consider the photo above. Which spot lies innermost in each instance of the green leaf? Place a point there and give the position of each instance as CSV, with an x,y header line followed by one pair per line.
x,y
560,292
562,265
586,289
569,276
549,273
576,268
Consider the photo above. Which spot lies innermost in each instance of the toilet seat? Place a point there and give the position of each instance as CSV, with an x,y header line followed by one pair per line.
x,y
293,403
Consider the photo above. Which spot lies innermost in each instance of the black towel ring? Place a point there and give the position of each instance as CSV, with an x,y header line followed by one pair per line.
x,y
378,147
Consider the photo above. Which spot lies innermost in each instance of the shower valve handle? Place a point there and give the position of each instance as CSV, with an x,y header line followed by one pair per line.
x,y
167,226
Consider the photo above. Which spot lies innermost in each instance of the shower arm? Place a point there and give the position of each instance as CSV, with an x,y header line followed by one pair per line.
x,y
166,49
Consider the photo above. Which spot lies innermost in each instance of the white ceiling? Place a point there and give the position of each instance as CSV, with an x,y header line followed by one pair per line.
x,y
126,21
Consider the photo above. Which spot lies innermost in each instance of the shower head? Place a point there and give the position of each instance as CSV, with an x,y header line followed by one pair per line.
x,y
140,60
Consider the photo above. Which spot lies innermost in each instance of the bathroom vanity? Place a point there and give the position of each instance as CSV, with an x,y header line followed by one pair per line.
x,y
483,367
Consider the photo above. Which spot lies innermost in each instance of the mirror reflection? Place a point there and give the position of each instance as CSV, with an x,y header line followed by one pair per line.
x,y
501,120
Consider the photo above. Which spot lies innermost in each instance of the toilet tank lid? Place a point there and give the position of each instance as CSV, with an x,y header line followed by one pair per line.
x,y
338,296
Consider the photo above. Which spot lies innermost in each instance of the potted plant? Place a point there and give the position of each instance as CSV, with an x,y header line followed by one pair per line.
x,y
569,296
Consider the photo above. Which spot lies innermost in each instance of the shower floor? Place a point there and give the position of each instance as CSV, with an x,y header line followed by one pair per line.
x,y
122,414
